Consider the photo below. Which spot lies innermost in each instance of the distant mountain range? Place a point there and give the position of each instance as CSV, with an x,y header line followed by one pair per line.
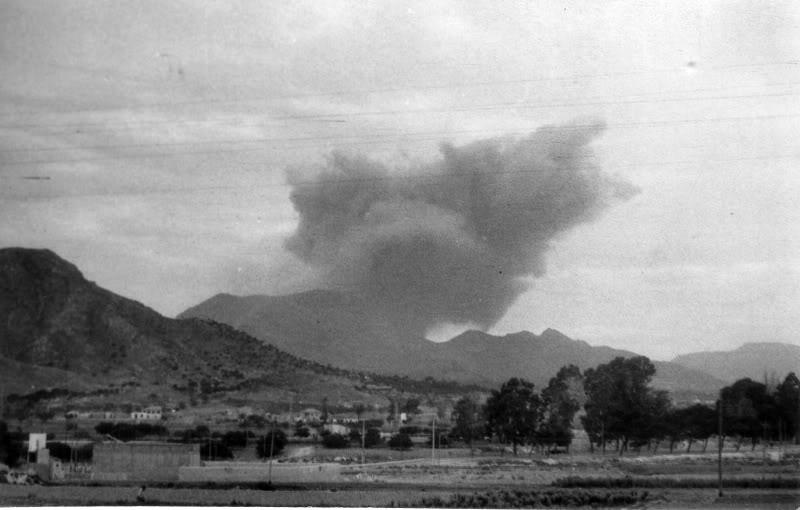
x,y
61,331
345,331
753,360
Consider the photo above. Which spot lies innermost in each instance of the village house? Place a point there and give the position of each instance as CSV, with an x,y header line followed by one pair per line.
x,y
151,413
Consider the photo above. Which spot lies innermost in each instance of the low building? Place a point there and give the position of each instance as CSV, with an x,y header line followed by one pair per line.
x,y
310,414
152,413
336,428
139,461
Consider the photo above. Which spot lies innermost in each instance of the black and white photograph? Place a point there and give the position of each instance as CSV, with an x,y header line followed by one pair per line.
x,y
400,253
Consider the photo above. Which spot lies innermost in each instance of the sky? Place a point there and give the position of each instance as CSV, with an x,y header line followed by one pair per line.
x,y
158,146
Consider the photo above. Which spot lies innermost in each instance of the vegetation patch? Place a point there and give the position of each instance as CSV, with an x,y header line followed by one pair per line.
x,y
630,482
536,499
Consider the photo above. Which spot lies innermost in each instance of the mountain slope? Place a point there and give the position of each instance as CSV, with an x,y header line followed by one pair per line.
x,y
61,330
753,360
345,331
329,327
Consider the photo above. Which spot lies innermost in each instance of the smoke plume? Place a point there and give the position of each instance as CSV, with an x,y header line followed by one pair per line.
x,y
453,240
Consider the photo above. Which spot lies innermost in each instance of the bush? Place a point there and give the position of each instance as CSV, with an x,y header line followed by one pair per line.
x,y
65,453
373,438
675,483
355,437
10,446
442,441
129,431
265,442
536,499
400,442
235,439
414,430
104,427
215,451
335,441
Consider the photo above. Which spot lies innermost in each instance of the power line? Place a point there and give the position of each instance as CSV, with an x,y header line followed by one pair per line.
x,y
355,140
497,106
392,137
436,180
408,88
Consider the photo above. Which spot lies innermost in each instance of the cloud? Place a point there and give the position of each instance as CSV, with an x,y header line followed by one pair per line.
x,y
453,239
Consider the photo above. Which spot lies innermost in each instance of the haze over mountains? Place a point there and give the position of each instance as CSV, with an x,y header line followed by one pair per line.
x,y
753,360
343,330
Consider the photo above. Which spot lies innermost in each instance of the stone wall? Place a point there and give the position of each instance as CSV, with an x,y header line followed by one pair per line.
x,y
142,461
259,472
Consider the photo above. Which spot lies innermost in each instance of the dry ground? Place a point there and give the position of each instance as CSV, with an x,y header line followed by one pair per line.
x,y
408,477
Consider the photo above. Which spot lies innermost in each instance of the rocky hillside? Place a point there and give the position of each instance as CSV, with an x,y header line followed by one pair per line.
x,y
61,330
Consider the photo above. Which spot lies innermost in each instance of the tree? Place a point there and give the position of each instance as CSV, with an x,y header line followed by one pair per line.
x,y
750,410
235,439
620,404
561,401
400,442
468,421
324,416
372,438
301,430
104,427
787,396
697,423
265,444
411,406
335,441
10,450
512,412
215,450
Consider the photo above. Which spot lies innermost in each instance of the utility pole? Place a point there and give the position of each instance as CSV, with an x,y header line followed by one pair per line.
x,y
603,434
363,437
271,449
433,440
719,443
764,454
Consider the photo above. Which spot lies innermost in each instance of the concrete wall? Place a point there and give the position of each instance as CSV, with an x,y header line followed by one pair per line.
x,y
259,472
141,461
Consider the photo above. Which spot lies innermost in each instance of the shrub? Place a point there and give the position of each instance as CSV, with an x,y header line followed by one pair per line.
x,y
65,453
400,442
235,439
372,438
10,446
335,441
215,450
265,442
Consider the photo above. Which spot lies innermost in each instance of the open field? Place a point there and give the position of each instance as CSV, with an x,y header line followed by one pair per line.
x,y
412,478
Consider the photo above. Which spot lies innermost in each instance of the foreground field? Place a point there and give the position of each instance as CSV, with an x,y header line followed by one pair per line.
x,y
463,481
383,497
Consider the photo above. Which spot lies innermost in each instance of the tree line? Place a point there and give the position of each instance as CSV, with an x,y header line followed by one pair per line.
x,y
620,408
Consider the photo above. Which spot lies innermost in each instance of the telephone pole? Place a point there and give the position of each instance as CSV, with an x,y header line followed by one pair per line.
x,y
719,443
433,440
363,437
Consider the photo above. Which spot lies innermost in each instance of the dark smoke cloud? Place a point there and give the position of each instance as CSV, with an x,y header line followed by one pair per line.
x,y
453,240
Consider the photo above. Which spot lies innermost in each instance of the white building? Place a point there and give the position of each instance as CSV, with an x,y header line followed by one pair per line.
x,y
152,413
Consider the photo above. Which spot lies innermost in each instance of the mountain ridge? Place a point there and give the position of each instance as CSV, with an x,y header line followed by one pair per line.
x,y
472,356
64,331
752,359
